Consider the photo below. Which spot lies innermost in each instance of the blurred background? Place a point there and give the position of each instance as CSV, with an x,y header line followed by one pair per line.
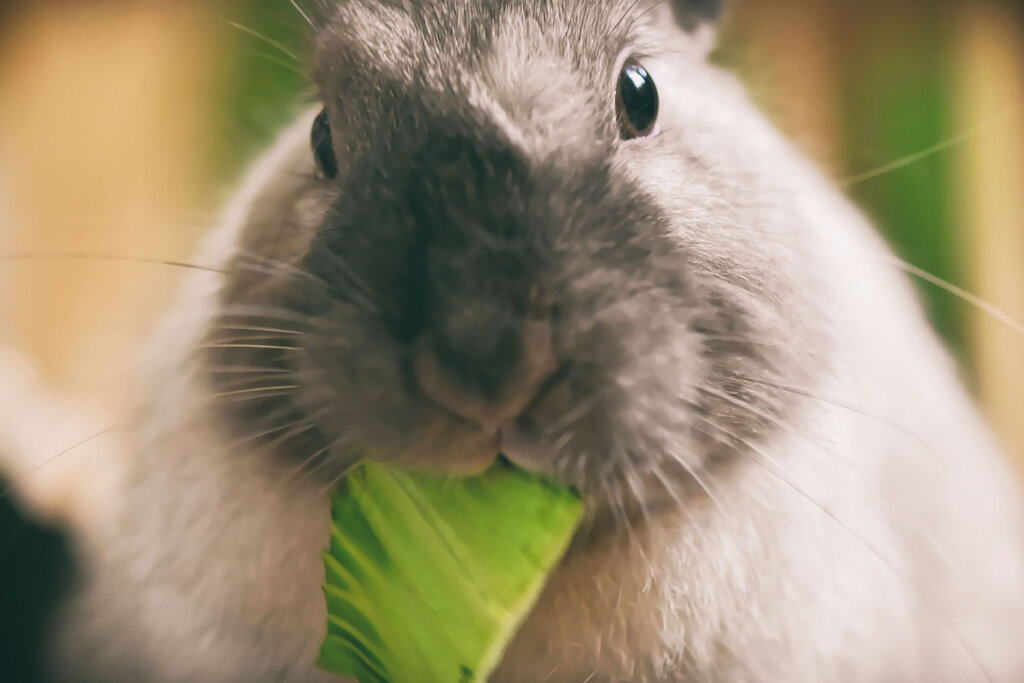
x,y
125,123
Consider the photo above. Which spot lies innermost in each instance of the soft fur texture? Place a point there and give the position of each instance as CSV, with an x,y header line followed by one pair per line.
x,y
786,480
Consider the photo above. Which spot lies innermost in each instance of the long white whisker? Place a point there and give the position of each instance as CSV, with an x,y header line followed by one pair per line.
x,y
754,410
960,293
771,465
116,258
814,396
250,338
245,370
262,347
52,459
266,39
952,142
302,13
256,328
691,472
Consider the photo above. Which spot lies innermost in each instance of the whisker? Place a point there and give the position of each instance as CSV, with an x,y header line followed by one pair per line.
x,y
297,475
281,63
300,474
636,489
256,328
260,347
303,14
249,311
666,483
573,414
692,472
749,340
245,370
881,558
618,510
259,435
41,256
261,264
337,480
771,419
266,39
253,338
295,429
69,449
359,285
256,394
952,142
769,464
806,393
960,293
246,379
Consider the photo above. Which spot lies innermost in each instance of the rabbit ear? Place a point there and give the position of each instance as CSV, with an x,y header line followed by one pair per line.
x,y
694,14
698,18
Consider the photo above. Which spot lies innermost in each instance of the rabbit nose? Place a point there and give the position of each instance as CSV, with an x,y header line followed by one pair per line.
x,y
484,366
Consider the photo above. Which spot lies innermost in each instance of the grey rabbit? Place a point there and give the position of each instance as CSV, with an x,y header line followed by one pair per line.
x,y
551,229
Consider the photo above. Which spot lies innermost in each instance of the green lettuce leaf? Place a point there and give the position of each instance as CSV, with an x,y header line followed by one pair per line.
x,y
428,577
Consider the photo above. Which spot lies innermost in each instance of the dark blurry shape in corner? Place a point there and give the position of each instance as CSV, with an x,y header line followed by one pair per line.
x,y
7,10
36,573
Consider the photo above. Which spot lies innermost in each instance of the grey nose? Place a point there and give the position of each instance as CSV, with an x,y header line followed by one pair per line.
x,y
486,365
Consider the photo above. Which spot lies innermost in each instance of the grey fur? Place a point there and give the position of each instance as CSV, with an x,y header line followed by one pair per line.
x,y
786,481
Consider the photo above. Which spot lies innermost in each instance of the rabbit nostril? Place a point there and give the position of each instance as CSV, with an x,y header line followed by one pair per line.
x,y
479,346
487,373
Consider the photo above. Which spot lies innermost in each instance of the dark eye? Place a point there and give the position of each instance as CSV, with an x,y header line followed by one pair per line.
x,y
323,145
636,102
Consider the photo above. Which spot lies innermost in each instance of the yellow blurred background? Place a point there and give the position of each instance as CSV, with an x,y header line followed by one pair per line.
x,y
123,124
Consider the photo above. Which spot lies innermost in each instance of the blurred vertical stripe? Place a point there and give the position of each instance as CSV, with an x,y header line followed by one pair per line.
x,y
990,191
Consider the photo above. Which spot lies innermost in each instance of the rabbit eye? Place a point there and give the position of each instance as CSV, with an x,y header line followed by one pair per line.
x,y
636,103
323,145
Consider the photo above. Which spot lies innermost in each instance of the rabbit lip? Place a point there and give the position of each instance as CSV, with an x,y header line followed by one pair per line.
x,y
523,446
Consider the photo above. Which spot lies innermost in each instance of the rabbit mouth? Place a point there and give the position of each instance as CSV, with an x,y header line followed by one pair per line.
x,y
521,443
523,440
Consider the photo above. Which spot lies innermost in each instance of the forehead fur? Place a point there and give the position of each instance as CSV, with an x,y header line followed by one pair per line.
x,y
465,28
530,66
379,32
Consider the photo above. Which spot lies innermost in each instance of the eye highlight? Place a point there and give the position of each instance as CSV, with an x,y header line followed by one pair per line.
x,y
636,102
323,145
